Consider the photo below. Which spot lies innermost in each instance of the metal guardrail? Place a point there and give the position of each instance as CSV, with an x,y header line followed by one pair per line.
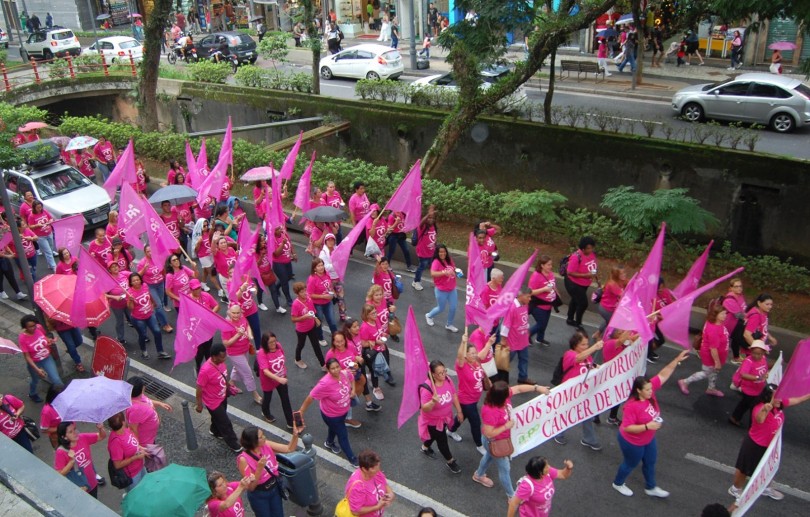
x,y
35,72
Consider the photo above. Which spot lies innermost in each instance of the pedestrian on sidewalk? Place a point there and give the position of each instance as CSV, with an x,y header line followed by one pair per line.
x,y
736,51
693,47
212,390
601,56
385,30
681,53
629,53
657,42
776,62
394,33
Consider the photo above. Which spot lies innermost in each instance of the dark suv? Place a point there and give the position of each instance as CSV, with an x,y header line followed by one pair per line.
x,y
241,45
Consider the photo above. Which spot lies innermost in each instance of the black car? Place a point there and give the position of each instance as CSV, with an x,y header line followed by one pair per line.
x,y
239,44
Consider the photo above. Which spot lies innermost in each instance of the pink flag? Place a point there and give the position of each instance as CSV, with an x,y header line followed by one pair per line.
x,y
647,278
692,279
408,198
226,151
796,381
191,167
289,163
416,370
132,215
202,161
474,309
92,281
340,257
275,211
160,238
124,171
302,192
67,232
506,299
195,324
630,314
212,184
246,263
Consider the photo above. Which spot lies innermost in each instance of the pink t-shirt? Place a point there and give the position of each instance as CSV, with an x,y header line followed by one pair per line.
x,y
756,321
82,455
539,280
273,361
25,211
442,412
426,242
383,315
264,262
583,264
11,427
763,433
498,416
486,251
715,337
142,412
344,358
237,510
320,285
601,52
369,332
734,304
36,344
536,494
248,303
242,344
171,221
113,230
444,282
470,382
611,295
299,309
396,227
205,245
490,294
285,255
100,252
123,259
640,412
142,309
479,339
572,368
28,245
66,268
252,464
383,279
40,218
358,206
152,273
334,394
206,300
224,261
363,493
123,282
48,417
123,446
177,281
379,231
515,327
212,381
752,367
612,348
104,151
334,200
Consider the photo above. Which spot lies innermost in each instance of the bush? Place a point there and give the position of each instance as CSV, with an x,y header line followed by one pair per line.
x,y
250,75
581,222
208,72
3,55
87,63
12,117
58,69
769,272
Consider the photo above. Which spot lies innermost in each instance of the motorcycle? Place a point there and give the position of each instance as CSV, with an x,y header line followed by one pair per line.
x,y
190,55
218,57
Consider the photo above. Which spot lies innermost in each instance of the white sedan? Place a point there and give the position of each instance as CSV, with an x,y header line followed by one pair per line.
x,y
117,49
365,61
489,76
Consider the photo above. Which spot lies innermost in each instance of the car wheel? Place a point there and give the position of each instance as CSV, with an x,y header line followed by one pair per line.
x,y
24,55
372,75
326,73
253,60
171,57
692,112
6,44
782,123
47,55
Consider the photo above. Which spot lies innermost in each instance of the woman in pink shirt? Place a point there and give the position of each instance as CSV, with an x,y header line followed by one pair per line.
x,y
484,234
713,350
259,462
543,284
766,422
142,315
377,227
40,221
201,248
373,339
36,349
335,392
264,261
155,279
66,263
142,418
238,342
245,297
734,302
535,490
11,422
397,237
642,418
349,360
49,418
75,453
120,255
178,278
472,382
751,376
321,292
437,397
426,236
28,238
140,172
125,450
611,294
273,377
351,331
367,489
756,321
614,345
226,498
117,298
100,247
443,271
306,323
283,257
577,360
113,230
384,277
581,271
224,260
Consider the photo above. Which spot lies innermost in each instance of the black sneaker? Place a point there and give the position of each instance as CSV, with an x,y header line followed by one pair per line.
x,y
164,355
332,447
390,381
652,359
454,468
653,355
218,437
100,480
571,323
270,419
428,451
36,398
373,406
395,339
237,450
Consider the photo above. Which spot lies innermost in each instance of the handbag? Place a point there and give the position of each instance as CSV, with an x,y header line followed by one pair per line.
x,y
596,297
31,428
156,459
394,326
269,278
501,448
502,357
396,286
118,477
343,509
230,390
77,477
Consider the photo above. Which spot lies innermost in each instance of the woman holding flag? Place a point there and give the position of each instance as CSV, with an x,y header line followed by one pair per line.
x,y
472,382
438,398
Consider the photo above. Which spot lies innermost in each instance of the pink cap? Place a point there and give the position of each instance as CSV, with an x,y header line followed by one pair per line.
x,y
194,284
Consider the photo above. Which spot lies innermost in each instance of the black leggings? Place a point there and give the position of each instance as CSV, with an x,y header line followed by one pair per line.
x,y
745,405
284,395
579,301
313,339
440,437
8,273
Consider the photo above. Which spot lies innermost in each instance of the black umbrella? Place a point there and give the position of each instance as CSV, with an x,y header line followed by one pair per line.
x,y
177,193
256,18
325,214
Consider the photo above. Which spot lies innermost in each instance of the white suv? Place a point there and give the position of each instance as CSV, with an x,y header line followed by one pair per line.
x,y
47,44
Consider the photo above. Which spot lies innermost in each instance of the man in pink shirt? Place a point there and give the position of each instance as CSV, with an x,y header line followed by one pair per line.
x,y
105,156
142,417
212,385
515,332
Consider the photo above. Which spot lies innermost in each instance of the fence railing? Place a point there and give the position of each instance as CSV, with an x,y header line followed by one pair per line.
x,y
37,72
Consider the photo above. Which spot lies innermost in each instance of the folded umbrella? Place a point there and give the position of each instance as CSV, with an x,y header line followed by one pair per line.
x,y
325,214
176,490
178,194
259,174
9,347
54,295
93,400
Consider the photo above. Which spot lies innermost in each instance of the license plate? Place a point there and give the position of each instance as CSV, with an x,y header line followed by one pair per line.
x,y
98,219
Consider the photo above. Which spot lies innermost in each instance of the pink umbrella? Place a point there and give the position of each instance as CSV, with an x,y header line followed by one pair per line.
x,y
30,126
782,45
259,174
9,347
135,15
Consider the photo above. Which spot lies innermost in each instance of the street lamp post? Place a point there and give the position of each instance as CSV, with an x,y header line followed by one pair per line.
x,y
413,36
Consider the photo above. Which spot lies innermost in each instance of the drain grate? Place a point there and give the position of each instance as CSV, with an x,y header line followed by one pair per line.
x,y
156,390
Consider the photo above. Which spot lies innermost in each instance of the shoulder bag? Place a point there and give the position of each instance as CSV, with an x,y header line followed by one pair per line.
x,y
502,357
343,509
275,481
76,475
502,448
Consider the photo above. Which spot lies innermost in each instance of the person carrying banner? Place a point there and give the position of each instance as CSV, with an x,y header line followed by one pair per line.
x,y
577,361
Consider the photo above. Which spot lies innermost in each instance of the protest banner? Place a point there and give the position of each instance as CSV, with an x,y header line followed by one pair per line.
x,y
762,476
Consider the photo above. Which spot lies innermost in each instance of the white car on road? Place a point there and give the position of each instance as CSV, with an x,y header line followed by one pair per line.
x,y
118,48
365,61
489,76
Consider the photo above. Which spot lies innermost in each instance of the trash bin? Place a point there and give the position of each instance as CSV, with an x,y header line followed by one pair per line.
x,y
299,471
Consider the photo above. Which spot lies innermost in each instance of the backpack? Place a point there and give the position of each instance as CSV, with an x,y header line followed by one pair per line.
x,y
559,373
563,268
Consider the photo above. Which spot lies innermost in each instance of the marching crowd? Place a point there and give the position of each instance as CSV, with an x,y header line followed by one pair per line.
x,y
356,334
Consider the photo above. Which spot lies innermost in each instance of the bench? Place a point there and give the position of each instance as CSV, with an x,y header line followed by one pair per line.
x,y
581,67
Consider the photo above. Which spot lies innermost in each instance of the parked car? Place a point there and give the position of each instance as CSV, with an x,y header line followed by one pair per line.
x,y
50,43
783,103
118,48
489,76
365,61
3,38
62,189
239,44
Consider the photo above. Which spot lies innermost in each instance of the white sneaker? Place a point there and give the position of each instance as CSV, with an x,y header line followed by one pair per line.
x,y
734,387
378,394
417,286
323,342
656,492
429,320
451,328
221,293
262,307
281,310
734,492
3,295
455,436
205,288
21,296
622,489
773,494
731,68
481,450
39,252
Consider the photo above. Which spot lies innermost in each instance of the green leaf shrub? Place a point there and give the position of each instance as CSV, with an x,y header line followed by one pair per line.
x,y
768,272
11,118
58,69
208,72
255,77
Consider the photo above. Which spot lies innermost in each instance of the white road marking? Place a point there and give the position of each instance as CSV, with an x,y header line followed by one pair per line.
x,y
722,467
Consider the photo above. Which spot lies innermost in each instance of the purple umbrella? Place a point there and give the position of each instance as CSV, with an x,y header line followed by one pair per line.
x,y
93,400
782,45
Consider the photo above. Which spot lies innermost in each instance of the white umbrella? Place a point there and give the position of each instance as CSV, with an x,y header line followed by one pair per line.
x,y
627,18
80,142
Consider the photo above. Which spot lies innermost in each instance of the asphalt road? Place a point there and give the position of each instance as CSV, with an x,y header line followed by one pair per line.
x,y
694,443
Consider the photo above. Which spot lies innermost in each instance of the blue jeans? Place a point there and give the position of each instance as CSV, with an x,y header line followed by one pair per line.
x,y
541,318
103,169
503,465
47,246
337,429
471,415
151,324
284,273
72,338
158,292
255,327
121,315
24,441
424,263
633,454
629,57
398,239
324,313
523,363
137,478
266,503
606,315
588,432
32,264
443,299
273,293
394,41
49,365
